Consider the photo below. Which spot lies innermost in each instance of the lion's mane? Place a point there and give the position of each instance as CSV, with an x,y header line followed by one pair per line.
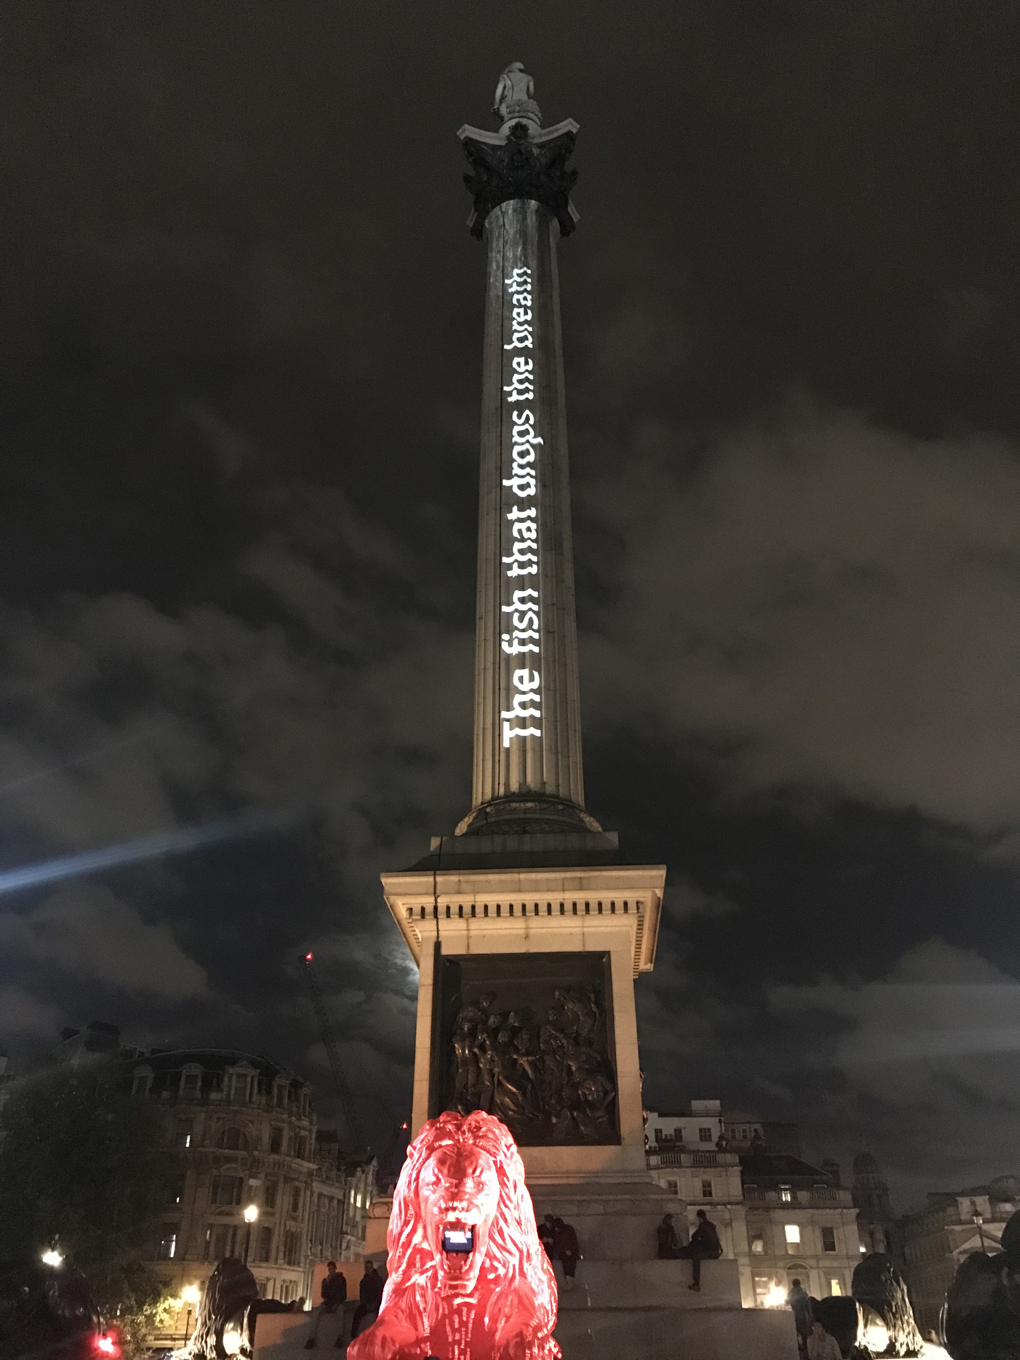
x,y
516,1273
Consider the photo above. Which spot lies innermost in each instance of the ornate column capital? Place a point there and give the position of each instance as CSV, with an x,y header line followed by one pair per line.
x,y
525,163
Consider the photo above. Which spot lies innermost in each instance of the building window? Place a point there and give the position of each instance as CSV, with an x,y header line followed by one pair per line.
x,y
835,1287
174,1192
828,1239
762,1289
785,1195
167,1247
758,1244
142,1083
276,1140
237,1086
233,1140
658,1135
704,1135
219,1242
226,1190
280,1094
743,1134
191,1083
269,1199
265,1245
182,1134
295,1199
673,1187
792,1233
290,1248
706,1191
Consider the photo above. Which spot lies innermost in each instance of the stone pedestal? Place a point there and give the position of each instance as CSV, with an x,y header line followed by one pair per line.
x,y
471,910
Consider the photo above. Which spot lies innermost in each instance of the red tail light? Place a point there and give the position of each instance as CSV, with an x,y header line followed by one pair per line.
x,y
107,1346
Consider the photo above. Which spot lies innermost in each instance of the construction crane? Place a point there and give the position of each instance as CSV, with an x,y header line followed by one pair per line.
x,y
328,1032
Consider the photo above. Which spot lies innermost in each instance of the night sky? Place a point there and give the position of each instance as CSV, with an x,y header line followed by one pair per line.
x,y
241,360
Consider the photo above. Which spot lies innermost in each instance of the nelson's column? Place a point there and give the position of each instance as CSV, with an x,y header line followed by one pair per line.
x,y
527,924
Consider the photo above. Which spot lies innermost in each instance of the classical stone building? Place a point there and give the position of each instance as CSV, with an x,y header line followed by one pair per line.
x,y
778,1216
240,1131
950,1227
875,1220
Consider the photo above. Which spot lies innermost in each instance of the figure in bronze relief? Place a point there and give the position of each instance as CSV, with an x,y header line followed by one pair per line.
x,y
548,1079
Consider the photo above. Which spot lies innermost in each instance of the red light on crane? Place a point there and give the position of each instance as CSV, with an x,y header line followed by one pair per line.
x,y
309,956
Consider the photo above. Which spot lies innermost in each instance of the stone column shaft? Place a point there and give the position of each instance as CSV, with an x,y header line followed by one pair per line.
x,y
525,557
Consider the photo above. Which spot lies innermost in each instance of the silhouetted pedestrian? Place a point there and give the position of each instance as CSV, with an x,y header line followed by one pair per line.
x,y
566,1250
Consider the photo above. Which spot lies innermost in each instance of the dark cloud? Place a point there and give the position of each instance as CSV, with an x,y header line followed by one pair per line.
x,y
241,359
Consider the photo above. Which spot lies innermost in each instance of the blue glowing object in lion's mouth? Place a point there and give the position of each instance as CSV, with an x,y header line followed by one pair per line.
x,y
458,1240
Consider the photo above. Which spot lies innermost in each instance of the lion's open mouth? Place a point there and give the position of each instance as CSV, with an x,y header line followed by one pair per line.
x,y
458,1239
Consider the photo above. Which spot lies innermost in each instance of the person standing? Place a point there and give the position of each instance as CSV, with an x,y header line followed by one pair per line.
x,y
334,1296
566,1250
669,1244
822,1345
800,1301
703,1246
369,1295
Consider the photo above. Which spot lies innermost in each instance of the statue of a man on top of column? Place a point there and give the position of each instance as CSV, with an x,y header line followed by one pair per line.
x,y
514,99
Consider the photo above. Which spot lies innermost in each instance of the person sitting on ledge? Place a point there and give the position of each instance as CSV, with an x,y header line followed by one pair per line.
x,y
567,1250
334,1296
669,1243
703,1246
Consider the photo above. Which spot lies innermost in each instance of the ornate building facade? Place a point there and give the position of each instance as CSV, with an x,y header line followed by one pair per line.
x,y
240,1133
780,1217
948,1229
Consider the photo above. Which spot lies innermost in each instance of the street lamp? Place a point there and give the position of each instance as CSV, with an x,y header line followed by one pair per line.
x,y
52,1257
250,1215
191,1295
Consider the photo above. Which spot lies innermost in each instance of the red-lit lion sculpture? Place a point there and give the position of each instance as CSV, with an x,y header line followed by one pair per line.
x,y
468,1278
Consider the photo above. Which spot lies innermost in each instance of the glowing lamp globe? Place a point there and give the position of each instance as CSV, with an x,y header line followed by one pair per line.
x,y
468,1278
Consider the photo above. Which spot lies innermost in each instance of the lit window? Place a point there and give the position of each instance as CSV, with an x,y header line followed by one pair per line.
x,y
358,1199
792,1233
706,1189
828,1239
704,1135
785,1194
182,1135
835,1287
758,1244
167,1242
